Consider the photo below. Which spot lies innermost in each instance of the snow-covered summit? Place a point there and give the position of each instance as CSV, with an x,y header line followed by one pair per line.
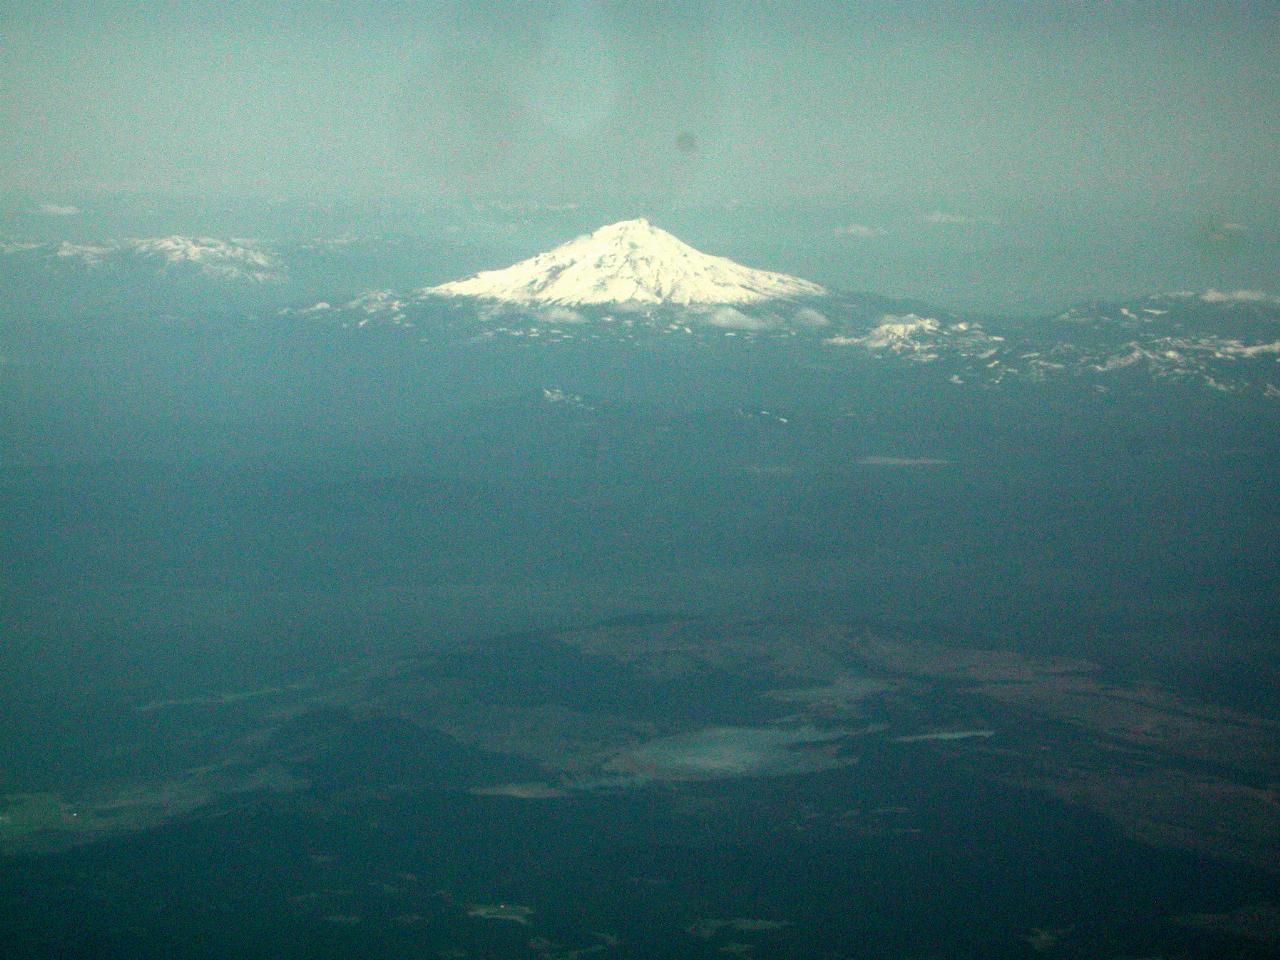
x,y
631,261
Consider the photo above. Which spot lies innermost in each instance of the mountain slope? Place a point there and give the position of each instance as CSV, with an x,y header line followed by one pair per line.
x,y
631,261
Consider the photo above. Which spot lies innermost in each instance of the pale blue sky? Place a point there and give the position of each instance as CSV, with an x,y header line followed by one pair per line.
x,y
954,105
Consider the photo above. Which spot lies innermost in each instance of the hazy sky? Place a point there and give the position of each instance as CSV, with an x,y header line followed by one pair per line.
x,y
601,101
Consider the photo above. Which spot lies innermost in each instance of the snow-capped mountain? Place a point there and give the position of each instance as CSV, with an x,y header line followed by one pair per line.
x,y
922,339
631,261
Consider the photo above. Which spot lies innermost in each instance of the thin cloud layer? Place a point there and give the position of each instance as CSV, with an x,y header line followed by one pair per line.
x,y
946,218
728,318
1234,296
861,230
809,317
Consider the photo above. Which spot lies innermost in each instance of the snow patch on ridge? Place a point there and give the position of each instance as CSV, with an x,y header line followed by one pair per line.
x,y
225,259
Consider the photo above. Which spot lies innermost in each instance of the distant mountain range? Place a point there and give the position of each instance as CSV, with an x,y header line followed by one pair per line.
x,y
631,282
236,260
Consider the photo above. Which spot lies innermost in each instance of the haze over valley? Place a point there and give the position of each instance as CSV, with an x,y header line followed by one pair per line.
x,y
597,481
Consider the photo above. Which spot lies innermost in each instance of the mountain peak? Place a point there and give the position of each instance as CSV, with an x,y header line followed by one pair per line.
x,y
638,231
630,261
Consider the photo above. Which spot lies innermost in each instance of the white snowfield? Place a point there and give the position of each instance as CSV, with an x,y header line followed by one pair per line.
x,y
631,261
895,332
